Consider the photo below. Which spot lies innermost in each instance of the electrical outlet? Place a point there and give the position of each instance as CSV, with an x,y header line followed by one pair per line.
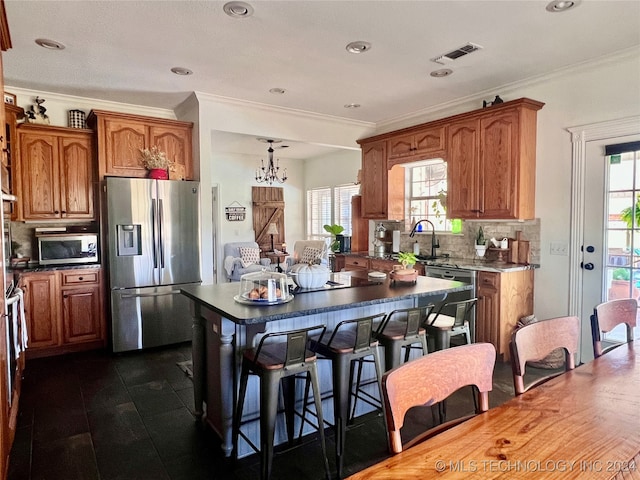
x,y
559,248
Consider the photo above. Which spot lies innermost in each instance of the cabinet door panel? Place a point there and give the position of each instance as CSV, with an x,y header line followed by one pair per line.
x,y
40,188
430,140
374,180
176,143
401,146
41,309
123,143
76,177
462,170
81,314
498,140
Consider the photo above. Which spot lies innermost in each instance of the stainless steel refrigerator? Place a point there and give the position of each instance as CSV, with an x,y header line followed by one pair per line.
x,y
153,249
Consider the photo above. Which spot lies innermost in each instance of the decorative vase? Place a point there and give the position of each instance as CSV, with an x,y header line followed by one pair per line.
x,y
481,250
158,174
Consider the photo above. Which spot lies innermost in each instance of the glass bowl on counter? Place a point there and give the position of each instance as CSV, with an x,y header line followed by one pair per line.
x,y
263,288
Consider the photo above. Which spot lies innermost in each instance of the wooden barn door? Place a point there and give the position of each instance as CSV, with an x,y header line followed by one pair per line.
x,y
268,207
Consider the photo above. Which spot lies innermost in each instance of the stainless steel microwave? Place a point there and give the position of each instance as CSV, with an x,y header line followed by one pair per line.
x,y
67,248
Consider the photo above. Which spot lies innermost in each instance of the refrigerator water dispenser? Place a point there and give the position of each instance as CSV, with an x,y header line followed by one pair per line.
x,y
129,240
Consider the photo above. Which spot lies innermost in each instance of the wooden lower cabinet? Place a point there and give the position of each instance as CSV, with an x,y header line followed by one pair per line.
x,y
503,298
64,311
359,262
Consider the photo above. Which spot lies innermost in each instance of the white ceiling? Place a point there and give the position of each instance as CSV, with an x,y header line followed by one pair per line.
x,y
124,50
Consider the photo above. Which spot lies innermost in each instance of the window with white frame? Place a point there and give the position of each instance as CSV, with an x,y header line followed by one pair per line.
x,y
329,205
427,187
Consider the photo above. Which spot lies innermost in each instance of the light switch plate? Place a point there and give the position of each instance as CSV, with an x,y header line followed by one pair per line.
x,y
559,248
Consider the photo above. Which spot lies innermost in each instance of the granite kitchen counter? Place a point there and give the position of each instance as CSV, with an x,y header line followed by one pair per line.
x,y
477,264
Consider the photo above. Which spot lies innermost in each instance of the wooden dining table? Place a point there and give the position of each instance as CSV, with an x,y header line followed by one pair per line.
x,y
584,423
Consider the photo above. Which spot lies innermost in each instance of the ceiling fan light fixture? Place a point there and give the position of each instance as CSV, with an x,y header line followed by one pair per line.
x,y
50,44
238,9
443,72
181,71
358,47
557,6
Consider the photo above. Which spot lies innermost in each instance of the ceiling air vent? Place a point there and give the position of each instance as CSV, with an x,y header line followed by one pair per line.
x,y
457,53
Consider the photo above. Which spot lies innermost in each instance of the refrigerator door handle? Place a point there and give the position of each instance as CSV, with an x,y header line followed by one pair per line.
x,y
154,210
142,295
161,231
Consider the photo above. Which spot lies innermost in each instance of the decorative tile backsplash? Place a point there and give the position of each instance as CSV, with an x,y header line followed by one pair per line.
x,y
462,245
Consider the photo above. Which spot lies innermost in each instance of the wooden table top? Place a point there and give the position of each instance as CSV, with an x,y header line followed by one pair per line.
x,y
582,424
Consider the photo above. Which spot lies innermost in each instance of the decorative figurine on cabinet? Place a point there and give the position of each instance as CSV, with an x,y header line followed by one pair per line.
x,y
37,113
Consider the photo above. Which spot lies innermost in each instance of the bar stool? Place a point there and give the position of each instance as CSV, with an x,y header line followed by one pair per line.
x,y
401,329
441,327
350,341
272,362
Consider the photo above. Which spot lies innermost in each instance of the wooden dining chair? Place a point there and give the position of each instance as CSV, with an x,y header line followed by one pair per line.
x,y
537,340
609,315
432,378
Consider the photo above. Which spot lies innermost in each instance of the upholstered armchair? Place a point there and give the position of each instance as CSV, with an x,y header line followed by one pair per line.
x,y
241,258
309,251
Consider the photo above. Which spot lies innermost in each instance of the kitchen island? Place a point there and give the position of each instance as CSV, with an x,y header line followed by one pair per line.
x,y
222,327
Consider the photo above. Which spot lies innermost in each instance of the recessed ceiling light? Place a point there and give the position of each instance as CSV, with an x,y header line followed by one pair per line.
x,y
50,44
277,91
238,9
181,71
443,72
352,105
562,5
358,47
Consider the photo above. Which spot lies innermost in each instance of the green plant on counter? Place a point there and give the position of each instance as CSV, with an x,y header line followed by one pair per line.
x,y
407,259
334,230
480,237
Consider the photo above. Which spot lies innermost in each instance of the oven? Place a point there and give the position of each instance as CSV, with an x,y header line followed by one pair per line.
x,y
452,272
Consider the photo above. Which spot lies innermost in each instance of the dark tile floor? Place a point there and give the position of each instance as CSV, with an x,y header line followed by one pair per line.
x,y
129,416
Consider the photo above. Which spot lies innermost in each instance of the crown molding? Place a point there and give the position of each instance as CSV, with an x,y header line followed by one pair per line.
x,y
94,103
217,99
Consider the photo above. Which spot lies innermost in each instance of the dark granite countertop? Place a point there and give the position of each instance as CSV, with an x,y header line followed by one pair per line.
x,y
478,264
34,267
219,298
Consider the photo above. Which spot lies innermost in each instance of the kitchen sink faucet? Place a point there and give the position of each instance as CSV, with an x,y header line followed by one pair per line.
x,y
434,241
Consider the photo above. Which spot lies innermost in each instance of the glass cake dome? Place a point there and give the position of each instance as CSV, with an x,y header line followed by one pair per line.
x,y
265,287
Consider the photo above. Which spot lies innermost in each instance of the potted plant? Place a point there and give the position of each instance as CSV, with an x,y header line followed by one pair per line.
x,y
407,259
481,244
407,273
156,162
334,230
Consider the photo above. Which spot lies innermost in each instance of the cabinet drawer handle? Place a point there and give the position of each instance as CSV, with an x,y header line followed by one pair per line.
x,y
65,296
80,279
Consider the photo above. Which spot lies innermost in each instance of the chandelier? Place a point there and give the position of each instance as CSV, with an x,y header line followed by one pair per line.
x,y
269,174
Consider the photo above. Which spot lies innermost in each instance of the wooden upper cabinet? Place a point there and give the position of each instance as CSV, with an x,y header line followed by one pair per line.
x,y
462,168
425,143
11,115
175,141
121,137
56,171
382,189
492,162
